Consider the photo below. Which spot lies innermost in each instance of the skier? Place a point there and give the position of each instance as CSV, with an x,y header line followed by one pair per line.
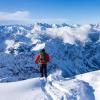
x,y
42,59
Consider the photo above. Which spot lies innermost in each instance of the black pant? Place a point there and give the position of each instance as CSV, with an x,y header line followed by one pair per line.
x,y
43,70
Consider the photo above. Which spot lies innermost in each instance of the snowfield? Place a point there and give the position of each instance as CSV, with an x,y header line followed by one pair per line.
x,y
81,87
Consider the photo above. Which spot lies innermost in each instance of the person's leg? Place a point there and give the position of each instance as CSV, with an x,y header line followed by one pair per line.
x,y
41,69
45,70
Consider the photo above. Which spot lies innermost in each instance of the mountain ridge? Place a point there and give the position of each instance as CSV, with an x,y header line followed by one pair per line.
x,y
73,48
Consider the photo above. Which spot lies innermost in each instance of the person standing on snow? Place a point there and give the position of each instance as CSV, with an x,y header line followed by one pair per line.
x,y
42,59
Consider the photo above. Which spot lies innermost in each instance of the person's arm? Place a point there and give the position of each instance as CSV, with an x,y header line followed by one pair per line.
x,y
37,59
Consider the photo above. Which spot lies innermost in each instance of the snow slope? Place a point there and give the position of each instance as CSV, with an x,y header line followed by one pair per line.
x,y
81,87
94,81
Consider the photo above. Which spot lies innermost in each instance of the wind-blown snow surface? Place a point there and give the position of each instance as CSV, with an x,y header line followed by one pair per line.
x,y
81,87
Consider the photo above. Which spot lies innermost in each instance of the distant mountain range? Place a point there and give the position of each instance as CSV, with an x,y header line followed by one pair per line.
x,y
74,49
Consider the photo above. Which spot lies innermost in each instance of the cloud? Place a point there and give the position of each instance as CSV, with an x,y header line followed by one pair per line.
x,y
18,17
24,17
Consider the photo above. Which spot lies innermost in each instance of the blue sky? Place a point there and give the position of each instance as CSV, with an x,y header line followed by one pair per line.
x,y
74,11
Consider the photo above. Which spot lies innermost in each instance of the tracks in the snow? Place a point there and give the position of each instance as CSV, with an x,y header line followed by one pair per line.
x,y
47,95
53,91
67,90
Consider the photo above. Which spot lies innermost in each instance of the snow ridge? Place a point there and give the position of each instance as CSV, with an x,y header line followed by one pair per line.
x,y
52,89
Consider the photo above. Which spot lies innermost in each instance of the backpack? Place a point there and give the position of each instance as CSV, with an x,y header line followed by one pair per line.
x,y
43,57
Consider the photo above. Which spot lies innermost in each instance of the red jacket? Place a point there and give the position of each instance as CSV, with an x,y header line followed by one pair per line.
x,y
38,57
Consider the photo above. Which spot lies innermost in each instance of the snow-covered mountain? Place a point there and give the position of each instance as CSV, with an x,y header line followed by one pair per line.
x,y
74,49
